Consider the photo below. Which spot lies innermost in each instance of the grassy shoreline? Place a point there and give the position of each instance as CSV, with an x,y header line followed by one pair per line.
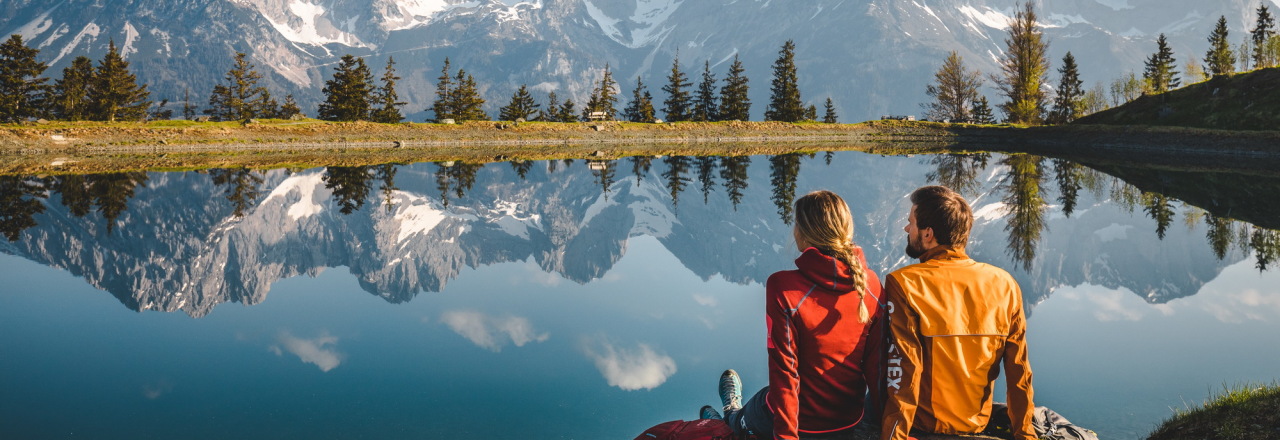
x,y
88,147
1239,412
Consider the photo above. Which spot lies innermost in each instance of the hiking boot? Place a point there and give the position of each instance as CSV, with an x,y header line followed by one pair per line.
x,y
730,391
707,412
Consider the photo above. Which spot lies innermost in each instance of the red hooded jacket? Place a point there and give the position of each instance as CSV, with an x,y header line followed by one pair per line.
x,y
822,361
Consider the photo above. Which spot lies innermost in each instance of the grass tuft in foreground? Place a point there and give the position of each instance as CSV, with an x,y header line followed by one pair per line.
x,y
1237,412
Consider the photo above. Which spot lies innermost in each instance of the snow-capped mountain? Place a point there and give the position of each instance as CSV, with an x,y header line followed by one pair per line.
x,y
179,246
871,56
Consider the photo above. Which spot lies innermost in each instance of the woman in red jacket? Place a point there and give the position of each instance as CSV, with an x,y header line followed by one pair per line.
x,y
825,335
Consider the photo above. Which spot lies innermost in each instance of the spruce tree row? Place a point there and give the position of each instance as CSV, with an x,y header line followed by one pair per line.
x,y
108,92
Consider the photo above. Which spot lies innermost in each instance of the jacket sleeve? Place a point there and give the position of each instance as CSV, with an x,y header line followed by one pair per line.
x,y
904,365
873,355
784,374
1018,374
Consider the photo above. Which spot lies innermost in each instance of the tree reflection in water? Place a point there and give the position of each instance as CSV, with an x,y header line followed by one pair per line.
x,y
242,187
1025,205
1022,190
783,170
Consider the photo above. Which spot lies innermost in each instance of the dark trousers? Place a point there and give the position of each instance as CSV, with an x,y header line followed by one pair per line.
x,y
754,418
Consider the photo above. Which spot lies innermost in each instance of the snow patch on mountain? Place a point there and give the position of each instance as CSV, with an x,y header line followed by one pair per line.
x,y
90,31
645,24
163,38
306,187
130,37
312,27
417,215
990,17
1118,5
413,13
37,26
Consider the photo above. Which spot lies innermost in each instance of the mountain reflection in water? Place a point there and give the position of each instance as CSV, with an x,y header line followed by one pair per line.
x,y
400,237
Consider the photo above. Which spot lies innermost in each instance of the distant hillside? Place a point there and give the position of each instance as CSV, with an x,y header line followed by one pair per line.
x,y
1246,101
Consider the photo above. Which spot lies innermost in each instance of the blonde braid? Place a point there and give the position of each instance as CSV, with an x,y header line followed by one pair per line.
x,y
824,221
859,280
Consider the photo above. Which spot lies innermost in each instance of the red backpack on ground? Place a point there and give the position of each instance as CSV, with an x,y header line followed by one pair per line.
x,y
701,429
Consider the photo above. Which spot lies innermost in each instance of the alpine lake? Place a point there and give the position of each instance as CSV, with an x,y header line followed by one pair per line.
x,y
584,299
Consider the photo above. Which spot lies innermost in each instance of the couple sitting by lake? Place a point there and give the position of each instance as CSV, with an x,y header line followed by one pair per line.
x,y
919,355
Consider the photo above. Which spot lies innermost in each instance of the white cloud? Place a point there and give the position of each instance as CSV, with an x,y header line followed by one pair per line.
x,y
156,389
492,333
318,351
705,300
1111,305
630,369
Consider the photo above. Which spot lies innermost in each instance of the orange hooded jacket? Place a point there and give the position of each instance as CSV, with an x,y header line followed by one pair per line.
x,y
954,322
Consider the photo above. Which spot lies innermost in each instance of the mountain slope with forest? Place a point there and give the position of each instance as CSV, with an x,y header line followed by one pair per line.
x,y
1246,101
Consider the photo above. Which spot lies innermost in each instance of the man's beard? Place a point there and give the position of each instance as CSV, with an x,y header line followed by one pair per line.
x,y
914,246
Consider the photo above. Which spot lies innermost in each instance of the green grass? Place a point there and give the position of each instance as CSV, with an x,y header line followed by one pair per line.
x,y
1236,413
1242,101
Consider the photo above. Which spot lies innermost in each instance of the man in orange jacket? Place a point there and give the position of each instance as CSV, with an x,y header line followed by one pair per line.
x,y
954,322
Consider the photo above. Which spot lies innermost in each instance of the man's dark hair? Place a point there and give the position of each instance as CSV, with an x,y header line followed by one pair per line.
x,y
946,212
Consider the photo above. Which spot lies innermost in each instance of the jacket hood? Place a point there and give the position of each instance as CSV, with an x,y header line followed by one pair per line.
x,y
828,272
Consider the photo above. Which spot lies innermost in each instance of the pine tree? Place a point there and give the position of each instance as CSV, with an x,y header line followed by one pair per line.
x,y
71,93
290,108
733,170
567,111
783,171
676,106
982,111
188,109
349,186
162,112
1069,104
522,106
1219,59
466,97
734,104
603,99
830,116
1263,30
347,95
387,100
115,93
266,106
704,102
811,113
444,107
240,97
784,98
552,112
677,168
640,109
22,90
954,90
1024,69
1161,73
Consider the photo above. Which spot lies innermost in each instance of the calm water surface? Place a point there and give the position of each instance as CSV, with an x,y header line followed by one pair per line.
x,y
578,300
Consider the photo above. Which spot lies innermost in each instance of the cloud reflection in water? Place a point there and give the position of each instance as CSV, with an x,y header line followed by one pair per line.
x,y
318,351
492,333
630,369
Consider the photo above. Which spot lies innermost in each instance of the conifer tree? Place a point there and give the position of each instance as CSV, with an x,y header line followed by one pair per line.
x,y
830,116
1161,73
954,90
734,104
387,100
443,106
784,98
811,113
522,106
71,93
706,176
552,112
783,171
466,97
677,168
704,102
733,170
1219,59
603,99
1069,104
240,97
567,111
22,90
188,109
289,108
162,112
348,93
115,93
1260,36
982,111
1024,68
266,106
676,106
640,109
